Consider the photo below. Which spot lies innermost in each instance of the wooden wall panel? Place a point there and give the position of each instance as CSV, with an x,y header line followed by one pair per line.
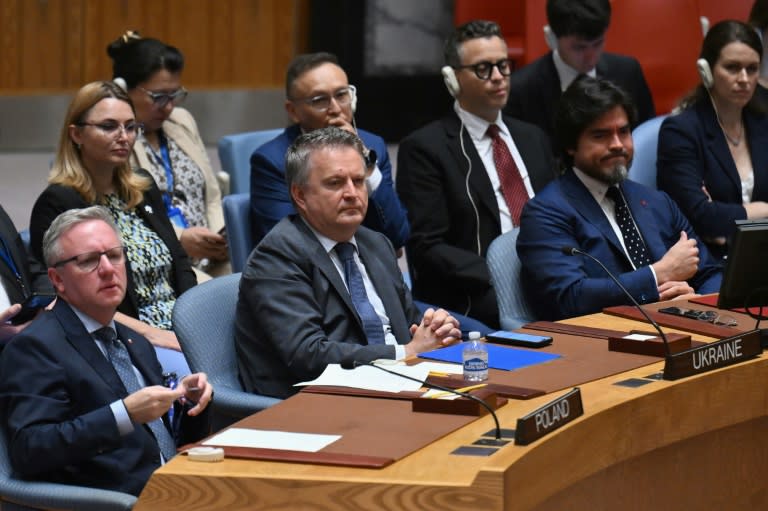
x,y
53,45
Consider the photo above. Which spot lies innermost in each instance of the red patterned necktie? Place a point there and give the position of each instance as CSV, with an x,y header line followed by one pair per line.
x,y
512,186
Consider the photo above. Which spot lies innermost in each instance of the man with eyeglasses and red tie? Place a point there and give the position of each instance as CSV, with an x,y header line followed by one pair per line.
x,y
82,395
465,178
318,95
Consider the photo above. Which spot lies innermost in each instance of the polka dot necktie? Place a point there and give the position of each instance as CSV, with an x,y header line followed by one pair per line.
x,y
512,186
633,242
374,329
121,361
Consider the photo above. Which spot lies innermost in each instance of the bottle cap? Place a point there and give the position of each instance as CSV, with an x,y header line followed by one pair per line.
x,y
474,335
207,454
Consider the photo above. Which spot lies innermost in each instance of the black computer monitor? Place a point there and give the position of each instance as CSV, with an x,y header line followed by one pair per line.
x,y
745,281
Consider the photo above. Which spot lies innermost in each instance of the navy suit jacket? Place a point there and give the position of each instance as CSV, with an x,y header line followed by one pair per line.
x,y
295,315
57,198
693,153
535,89
565,214
271,201
448,242
32,275
55,392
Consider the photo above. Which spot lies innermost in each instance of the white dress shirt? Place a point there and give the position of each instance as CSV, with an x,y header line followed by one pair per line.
x,y
566,73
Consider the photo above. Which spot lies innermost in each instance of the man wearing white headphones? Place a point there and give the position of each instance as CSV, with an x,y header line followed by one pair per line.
x,y
576,36
465,178
318,95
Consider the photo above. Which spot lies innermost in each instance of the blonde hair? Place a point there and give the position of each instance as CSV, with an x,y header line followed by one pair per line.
x,y
68,169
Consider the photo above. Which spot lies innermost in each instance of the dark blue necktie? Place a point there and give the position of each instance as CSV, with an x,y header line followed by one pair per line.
x,y
374,330
121,361
633,242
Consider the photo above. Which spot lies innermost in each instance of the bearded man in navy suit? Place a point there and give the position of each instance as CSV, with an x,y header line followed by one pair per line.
x,y
576,210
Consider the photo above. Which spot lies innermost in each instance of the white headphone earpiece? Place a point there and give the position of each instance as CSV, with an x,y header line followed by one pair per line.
x,y
550,37
353,98
450,81
705,73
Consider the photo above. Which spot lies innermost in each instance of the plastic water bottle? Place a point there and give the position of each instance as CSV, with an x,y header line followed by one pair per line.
x,y
475,358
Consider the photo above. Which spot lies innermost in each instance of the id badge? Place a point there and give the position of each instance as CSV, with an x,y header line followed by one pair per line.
x,y
177,217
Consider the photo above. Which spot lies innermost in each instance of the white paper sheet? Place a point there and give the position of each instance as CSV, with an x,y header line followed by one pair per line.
x,y
266,439
370,378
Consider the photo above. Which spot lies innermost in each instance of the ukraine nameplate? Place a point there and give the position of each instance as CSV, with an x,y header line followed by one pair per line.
x,y
549,417
724,352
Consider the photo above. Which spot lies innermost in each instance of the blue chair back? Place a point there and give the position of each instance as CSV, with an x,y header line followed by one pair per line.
x,y
504,266
646,141
237,218
235,156
23,495
204,322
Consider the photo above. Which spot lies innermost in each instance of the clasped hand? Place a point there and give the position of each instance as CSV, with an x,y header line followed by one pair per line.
x,y
150,403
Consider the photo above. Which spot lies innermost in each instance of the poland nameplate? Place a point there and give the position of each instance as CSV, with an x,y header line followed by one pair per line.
x,y
549,417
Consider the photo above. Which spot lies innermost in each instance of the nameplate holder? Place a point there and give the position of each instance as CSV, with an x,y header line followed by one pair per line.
x,y
714,355
549,417
460,406
644,343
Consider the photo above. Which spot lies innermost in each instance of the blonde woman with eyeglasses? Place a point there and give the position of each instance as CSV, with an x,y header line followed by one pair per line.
x,y
171,148
91,167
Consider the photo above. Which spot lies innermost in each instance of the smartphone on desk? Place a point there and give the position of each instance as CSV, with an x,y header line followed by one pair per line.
x,y
30,306
518,339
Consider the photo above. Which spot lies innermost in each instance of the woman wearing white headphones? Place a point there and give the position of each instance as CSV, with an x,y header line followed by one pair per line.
x,y
713,155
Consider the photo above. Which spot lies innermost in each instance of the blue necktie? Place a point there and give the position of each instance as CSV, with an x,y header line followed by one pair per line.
x,y
374,330
121,361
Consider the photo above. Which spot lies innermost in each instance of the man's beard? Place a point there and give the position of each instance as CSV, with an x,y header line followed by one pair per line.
x,y
617,175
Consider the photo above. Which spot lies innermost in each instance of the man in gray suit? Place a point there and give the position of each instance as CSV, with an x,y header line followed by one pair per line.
x,y
320,288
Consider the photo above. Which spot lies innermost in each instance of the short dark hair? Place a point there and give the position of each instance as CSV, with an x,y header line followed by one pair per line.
x,y
297,156
585,101
136,59
474,29
584,18
303,63
758,15
718,37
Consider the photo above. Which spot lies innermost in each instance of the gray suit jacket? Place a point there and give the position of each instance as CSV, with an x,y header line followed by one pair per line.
x,y
295,315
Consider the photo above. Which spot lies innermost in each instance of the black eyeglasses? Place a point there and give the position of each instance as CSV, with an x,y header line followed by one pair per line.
x,y
89,261
483,70
112,128
160,99
322,102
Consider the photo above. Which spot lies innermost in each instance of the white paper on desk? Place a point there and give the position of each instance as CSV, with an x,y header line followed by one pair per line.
x,y
266,439
440,367
370,378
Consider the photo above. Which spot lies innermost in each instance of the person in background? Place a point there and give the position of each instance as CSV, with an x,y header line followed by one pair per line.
x,y
170,147
322,289
82,395
91,167
465,177
713,155
638,233
758,19
21,276
317,95
577,38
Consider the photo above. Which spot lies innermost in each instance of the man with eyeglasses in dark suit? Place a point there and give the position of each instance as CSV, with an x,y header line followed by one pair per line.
x,y
464,178
318,95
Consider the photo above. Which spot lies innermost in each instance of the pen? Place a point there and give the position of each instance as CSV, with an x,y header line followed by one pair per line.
x,y
463,389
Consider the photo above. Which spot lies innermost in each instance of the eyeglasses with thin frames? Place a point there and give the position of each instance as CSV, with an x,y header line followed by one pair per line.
x,y
113,128
483,70
322,102
89,261
160,99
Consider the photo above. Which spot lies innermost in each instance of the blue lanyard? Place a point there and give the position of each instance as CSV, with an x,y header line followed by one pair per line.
x,y
5,253
166,163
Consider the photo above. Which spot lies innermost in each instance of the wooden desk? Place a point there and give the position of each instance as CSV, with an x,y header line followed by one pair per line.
x,y
697,443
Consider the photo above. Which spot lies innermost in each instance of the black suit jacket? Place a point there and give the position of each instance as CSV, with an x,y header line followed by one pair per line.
x,y
295,315
55,395
33,277
448,267
56,199
535,92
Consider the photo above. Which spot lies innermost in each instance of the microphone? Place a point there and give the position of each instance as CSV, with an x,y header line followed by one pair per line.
x,y
570,251
351,364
